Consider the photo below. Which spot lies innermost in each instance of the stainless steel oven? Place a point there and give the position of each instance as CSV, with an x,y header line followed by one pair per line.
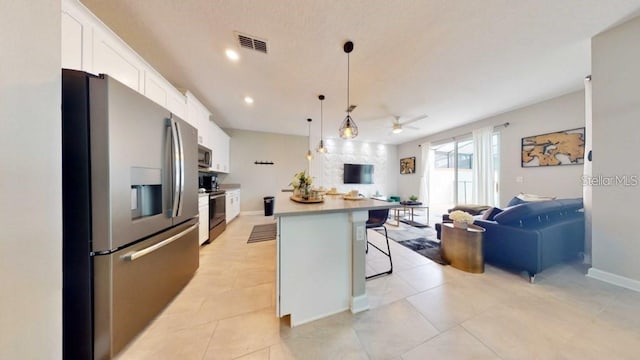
x,y
217,213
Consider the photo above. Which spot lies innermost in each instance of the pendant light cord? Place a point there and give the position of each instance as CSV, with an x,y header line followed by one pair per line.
x,y
321,120
348,67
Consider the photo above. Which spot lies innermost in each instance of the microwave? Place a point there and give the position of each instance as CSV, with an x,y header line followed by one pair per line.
x,y
205,156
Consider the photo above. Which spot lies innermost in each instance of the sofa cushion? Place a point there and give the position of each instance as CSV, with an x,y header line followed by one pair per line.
x,y
517,213
570,205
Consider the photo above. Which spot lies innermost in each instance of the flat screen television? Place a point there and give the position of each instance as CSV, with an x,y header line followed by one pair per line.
x,y
358,174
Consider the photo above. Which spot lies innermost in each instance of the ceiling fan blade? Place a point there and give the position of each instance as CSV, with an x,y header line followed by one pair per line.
x,y
418,118
411,127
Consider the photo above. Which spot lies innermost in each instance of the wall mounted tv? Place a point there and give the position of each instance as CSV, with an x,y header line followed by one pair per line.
x,y
358,174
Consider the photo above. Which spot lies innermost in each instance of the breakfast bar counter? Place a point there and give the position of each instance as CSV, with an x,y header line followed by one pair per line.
x,y
321,256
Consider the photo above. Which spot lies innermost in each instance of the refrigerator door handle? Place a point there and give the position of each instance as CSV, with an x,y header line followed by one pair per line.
x,y
146,251
176,168
181,163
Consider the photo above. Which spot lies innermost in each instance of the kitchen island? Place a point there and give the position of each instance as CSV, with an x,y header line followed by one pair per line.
x,y
320,267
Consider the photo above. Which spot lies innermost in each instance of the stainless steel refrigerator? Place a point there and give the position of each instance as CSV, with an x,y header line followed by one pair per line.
x,y
130,212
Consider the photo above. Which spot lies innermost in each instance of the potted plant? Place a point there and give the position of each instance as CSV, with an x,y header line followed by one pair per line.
x,y
302,185
413,198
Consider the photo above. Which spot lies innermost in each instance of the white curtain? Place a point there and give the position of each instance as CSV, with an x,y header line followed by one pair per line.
x,y
483,168
427,165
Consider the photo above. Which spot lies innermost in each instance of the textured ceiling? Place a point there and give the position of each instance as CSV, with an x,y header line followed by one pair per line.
x,y
457,61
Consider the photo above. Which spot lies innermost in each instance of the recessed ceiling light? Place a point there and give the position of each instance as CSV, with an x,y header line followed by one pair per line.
x,y
248,100
232,55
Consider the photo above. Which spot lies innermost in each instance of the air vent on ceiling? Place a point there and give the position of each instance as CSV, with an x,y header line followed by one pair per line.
x,y
250,42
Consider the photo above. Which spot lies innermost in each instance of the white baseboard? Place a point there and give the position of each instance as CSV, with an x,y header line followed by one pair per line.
x,y
294,322
252,212
614,279
359,303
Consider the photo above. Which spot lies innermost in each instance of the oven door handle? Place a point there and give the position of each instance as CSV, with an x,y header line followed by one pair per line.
x,y
148,250
217,196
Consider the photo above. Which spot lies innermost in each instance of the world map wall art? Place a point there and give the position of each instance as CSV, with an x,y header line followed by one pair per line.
x,y
558,148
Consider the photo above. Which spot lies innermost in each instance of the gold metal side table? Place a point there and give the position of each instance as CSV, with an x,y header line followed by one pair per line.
x,y
462,248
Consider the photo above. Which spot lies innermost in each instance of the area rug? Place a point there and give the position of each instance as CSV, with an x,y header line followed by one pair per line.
x,y
263,232
414,223
421,240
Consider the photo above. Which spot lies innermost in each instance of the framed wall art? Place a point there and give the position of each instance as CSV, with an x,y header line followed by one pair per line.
x,y
408,165
552,149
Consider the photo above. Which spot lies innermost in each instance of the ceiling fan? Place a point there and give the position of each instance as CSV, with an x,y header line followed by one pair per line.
x,y
398,126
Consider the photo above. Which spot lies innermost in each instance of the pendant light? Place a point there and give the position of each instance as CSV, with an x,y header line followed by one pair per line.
x,y
309,153
321,149
348,129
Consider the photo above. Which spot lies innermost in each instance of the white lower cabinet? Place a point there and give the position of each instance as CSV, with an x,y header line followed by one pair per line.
x,y
233,204
203,212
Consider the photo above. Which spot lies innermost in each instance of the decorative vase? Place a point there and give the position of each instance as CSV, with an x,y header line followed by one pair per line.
x,y
460,224
306,192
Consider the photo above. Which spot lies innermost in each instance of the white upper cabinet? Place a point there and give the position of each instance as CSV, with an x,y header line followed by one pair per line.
x,y
154,90
89,45
110,57
198,116
209,134
71,42
221,151
177,103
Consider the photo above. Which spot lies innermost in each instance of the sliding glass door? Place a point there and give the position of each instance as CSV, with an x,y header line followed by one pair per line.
x,y
451,180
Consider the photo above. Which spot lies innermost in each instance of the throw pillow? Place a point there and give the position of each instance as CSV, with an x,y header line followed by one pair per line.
x,y
533,197
515,201
491,213
522,198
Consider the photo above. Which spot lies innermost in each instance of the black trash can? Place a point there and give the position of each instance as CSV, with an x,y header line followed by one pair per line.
x,y
268,205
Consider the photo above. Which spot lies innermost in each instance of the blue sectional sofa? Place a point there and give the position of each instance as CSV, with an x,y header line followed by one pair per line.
x,y
533,236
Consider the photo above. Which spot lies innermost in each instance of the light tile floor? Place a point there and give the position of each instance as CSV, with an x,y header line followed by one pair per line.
x,y
421,311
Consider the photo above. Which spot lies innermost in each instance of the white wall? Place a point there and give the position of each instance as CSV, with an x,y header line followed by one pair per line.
x,y
560,113
30,181
288,154
329,168
616,129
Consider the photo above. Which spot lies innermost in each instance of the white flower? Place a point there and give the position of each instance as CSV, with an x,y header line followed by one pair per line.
x,y
301,179
461,216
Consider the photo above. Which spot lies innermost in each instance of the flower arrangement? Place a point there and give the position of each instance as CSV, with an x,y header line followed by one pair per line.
x,y
301,180
461,217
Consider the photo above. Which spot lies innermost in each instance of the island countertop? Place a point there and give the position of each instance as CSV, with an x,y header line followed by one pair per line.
x,y
284,206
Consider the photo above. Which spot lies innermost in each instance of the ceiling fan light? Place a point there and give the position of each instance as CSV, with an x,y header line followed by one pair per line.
x,y
348,129
397,129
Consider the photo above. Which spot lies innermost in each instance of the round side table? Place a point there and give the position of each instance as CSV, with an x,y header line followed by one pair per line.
x,y
462,248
